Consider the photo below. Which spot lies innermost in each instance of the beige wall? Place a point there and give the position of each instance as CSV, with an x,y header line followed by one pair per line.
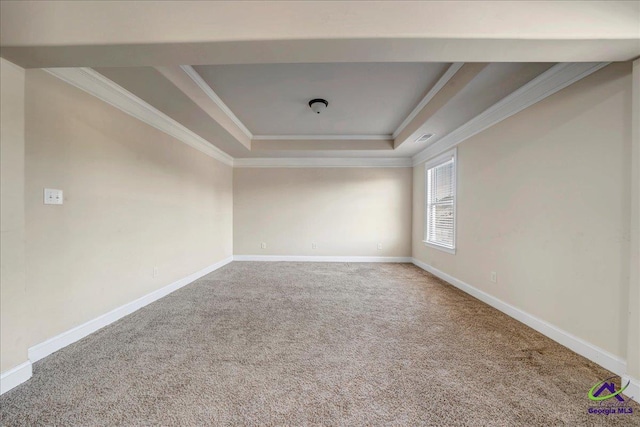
x,y
134,199
346,211
556,229
543,200
12,224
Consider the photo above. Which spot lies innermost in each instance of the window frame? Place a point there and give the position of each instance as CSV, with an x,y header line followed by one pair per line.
x,y
430,164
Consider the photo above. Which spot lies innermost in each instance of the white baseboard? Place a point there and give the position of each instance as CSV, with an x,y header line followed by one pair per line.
x,y
53,344
15,376
321,258
597,355
633,391
23,372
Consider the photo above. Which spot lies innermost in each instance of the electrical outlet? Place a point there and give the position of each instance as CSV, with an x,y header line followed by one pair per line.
x,y
314,246
494,277
155,271
53,196
379,246
263,245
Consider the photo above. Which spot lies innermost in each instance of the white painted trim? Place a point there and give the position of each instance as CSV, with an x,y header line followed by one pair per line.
x,y
53,344
596,354
633,391
208,90
102,88
323,162
546,84
298,258
451,71
15,376
451,251
442,158
322,137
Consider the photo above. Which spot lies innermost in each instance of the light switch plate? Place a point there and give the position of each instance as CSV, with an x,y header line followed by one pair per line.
x,y
53,196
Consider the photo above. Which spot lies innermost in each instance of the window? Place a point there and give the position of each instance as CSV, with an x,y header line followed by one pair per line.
x,y
440,203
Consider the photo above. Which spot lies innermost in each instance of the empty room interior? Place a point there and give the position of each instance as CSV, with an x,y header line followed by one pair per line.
x,y
320,213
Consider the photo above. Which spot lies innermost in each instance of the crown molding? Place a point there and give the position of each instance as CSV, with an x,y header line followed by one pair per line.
x,y
322,137
102,88
546,84
442,81
323,162
198,80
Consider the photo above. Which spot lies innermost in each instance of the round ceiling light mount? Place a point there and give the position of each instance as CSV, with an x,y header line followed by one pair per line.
x,y
318,105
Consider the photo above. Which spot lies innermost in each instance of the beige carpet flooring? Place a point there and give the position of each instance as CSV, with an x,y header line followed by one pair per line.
x,y
312,344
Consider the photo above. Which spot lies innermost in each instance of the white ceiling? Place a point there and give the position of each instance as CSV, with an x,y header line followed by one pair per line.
x,y
364,98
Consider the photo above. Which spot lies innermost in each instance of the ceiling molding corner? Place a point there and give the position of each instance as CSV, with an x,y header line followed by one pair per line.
x,y
202,84
442,81
546,84
104,89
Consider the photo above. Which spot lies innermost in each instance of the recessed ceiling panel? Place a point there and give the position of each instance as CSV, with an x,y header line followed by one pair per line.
x,y
364,98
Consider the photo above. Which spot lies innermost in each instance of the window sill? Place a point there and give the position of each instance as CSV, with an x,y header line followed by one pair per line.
x,y
440,248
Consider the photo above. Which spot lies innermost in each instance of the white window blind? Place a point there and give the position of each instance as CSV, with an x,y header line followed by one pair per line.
x,y
440,203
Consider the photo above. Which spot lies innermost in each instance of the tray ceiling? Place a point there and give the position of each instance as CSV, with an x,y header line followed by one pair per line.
x,y
364,98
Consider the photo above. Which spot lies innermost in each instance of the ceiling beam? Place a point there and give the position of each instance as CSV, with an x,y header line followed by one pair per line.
x,y
73,23
159,33
323,51
445,89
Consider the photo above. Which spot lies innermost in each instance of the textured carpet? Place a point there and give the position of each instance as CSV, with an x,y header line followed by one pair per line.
x,y
312,344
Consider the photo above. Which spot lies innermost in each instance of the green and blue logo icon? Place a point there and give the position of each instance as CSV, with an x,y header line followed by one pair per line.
x,y
608,386
608,399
